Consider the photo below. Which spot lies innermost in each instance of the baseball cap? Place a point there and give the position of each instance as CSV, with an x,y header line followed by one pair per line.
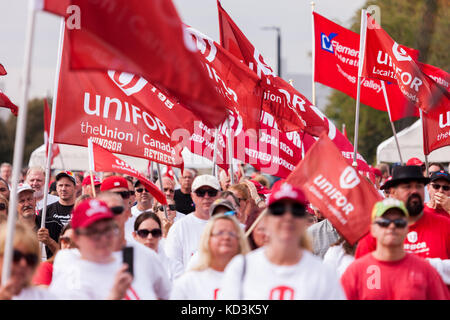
x,y
287,191
414,162
114,182
260,188
383,186
441,174
384,205
68,174
88,212
87,181
221,203
205,180
376,172
24,187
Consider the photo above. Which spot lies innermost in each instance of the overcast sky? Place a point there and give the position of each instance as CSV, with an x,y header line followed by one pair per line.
x,y
292,16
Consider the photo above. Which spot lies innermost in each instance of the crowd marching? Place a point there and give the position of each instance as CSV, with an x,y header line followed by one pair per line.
x,y
222,238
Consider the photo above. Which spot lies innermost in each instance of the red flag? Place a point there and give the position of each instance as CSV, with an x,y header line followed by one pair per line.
x,y
122,112
6,103
341,194
169,173
106,161
385,59
336,66
292,110
47,121
145,38
2,70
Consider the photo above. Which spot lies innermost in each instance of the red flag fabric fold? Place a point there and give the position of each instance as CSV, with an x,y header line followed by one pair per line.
x,y
6,103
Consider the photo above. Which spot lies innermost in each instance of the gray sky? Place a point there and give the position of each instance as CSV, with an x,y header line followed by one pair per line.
x,y
292,16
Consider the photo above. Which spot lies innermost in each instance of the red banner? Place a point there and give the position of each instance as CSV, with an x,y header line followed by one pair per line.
x,y
106,161
291,109
145,38
47,121
385,59
2,70
336,66
122,112
6,103
341,194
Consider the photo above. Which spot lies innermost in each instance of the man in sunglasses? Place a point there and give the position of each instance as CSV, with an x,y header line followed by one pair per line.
x,y
439,190
184,235
390,273
144,199
429,234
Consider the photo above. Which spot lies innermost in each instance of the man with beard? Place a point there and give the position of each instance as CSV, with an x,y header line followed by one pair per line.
x,y
429,234
36,179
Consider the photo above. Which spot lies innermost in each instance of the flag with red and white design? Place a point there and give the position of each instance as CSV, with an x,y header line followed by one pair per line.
x,y
6,103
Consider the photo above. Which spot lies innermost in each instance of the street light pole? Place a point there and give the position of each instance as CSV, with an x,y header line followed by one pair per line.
x,y
278,30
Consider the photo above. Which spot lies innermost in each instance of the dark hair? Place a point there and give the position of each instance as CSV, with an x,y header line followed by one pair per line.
x,y
441,167
66,227
52,187
254,214
225,194
144,216
6,183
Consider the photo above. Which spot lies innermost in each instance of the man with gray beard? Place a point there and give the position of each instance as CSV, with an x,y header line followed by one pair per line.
x,y
429,234
36,179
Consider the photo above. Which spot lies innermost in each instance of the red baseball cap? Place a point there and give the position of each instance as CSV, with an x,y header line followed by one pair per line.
x,y
114,182
414,162
260,188
287,191
88,212
87,181
376,172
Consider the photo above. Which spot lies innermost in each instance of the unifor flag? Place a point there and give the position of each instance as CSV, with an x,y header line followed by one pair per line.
x,y
103,160
436,124
122,112
336,66
387,60
292,110
343,196
144,38
47,121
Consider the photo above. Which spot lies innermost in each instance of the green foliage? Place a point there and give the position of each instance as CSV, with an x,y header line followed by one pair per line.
x,y
408,23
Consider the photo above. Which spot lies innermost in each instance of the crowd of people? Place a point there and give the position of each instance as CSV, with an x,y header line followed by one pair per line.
x,y
222,238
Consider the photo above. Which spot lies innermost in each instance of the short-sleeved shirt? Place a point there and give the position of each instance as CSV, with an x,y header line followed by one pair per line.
x,y
183,202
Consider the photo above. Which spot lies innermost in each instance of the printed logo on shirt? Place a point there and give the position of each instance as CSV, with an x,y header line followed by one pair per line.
x,y
412,236
281,293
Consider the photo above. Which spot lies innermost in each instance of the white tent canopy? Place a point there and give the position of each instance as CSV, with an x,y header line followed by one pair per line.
x,y
76,158
411,145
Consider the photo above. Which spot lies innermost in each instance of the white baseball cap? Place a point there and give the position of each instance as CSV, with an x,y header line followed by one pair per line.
x,y
205,180
24,187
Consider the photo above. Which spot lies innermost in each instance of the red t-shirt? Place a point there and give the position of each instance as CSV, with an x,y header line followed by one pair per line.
x,y
44,273
410,278
439,212
429,237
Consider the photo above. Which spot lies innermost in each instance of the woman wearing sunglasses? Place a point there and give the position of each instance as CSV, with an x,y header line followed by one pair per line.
x,y
221,240
3,208
25,259
282,269
148,231
172,215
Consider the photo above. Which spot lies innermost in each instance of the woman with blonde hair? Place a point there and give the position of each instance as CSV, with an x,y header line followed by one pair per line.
x,y
284,268
25,259
222,239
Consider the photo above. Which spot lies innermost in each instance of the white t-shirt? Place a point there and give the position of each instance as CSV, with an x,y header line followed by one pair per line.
x,y
50,199
76,278
35,293
308,279
337,259
173,267
197,285
183,238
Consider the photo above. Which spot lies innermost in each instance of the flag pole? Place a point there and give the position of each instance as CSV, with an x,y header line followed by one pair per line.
x,y
390,120
19,145
313,51
423,129
362,44
91,165
161,187
230,151
214,168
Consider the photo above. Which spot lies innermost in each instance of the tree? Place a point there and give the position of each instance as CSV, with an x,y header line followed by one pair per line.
x,y
423,25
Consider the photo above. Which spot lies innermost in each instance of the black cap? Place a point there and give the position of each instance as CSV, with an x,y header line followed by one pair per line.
x,y
402,174
440,175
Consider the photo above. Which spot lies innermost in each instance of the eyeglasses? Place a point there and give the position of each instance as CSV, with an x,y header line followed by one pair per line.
x,y
439,186
384,223
279,209
117,210
222,233
3,189
30,258
96,234
211,192
172,207
143,233
168,189
2,206
140,190
123,194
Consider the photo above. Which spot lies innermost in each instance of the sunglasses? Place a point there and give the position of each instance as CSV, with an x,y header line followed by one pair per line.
x,y
117,210
279,209
438,186
3,189
96,234
30,258
211,193
2,206
143,233
123,194
171,207
140,190
398,223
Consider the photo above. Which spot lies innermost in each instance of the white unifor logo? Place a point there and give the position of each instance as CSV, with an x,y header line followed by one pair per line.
x,y
412,236
127,82
400,53
95,208
286,190
349,178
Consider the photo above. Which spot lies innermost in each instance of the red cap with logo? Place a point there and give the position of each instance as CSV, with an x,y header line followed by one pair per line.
x,y
414,162
284,191
114,182
88,212
87,181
